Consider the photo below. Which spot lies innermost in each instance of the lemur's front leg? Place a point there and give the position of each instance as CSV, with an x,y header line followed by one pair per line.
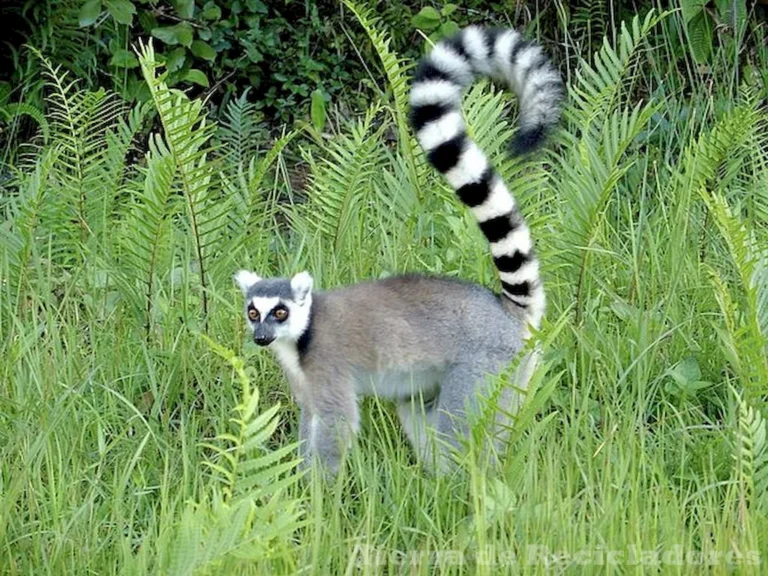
x,y
331,424
305,419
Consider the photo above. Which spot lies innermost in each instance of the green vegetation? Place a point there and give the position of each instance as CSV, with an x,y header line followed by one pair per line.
x,y
280,52
283,53
141,433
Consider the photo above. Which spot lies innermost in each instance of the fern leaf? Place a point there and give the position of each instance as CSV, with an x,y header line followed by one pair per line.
x,y
598,85
749,259
257,169
15,109
81,123
245,461
589,180
217,536
589,20
250,209
188,136
339,183
396,71
239,132
722,149
28,210
143,240
237,526
112,171
751,453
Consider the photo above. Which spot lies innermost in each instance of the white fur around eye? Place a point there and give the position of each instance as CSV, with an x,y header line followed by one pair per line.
x,y
298,318
264,305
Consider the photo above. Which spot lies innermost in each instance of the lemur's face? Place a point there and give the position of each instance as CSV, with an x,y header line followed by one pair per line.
x,y
277,309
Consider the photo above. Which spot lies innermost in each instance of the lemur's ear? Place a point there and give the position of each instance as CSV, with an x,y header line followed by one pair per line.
x,y
302,286
245,279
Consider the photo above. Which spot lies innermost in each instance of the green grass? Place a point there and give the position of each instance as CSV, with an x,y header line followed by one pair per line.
x,y
130,444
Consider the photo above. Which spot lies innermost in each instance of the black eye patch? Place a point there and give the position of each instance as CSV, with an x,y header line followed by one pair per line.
x,y
279,313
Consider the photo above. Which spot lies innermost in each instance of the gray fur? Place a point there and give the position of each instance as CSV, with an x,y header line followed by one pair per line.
x,y
426,343
279,287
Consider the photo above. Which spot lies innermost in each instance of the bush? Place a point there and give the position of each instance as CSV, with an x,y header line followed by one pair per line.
x,y
282,52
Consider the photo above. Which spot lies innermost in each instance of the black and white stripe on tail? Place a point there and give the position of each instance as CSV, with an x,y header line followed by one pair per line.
x,y
438,84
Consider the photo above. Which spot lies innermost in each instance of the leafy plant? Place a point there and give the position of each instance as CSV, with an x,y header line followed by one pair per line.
x,y
240,131
339,184
705,18
247,509
188,135
397,81
436,23
750,454
224,46
146,231
602,132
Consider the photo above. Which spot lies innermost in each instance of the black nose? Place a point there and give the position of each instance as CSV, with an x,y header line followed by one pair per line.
x,y
263,340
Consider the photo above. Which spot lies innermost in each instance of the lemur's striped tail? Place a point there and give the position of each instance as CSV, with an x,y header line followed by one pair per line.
x,y
438,84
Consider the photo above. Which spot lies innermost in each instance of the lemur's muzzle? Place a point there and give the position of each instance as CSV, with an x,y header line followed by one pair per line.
x,y
262,336
263,339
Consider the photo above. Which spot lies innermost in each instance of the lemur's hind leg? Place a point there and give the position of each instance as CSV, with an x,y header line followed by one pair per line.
x,y
513,394
465,388
419,418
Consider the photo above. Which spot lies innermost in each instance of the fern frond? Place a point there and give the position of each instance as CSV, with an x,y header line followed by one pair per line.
x,y
246,186
589,20
749,259
751,453
188,136
238,130
719,165
120,141
721,150
396,70
80,122
28,209
759,283
15,109
250,217
588,178
246,467
239,522
340,182
257,169
598,147
145,231
598,85
216,536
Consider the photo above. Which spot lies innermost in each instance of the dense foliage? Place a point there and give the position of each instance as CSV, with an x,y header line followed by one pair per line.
x,y
141,433
281,51
291,53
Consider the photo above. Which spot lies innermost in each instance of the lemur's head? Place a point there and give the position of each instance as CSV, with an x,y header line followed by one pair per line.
x,y
276,308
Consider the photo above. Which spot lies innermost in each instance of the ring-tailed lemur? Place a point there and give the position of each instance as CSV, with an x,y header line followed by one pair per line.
x,y
427,343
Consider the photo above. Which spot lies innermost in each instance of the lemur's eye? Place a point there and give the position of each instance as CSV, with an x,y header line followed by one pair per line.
x,y
253,314
280,314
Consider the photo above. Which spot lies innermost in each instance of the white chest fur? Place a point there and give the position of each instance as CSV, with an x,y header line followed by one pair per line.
x,y
288,356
